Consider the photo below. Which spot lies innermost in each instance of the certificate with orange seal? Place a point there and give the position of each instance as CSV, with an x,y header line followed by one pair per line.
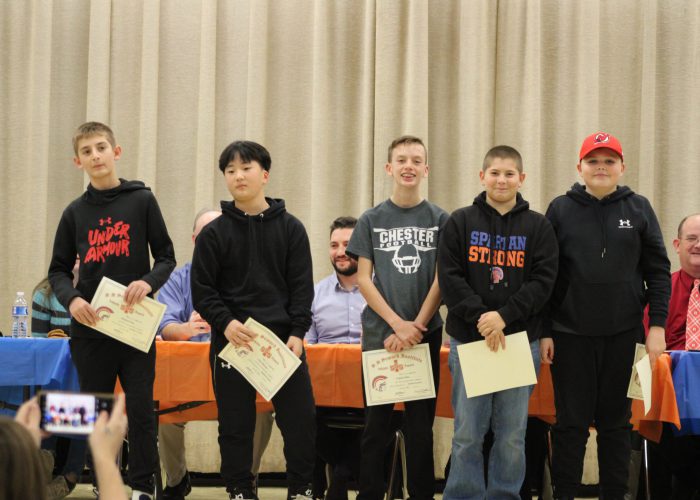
x,y
266,362
135,326
396,377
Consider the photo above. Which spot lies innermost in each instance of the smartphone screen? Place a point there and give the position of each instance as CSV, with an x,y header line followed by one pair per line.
x,y
72,412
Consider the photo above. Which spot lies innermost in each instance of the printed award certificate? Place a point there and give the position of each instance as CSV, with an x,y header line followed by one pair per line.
x,y
267,363
136,327
486,372
634,389
395,377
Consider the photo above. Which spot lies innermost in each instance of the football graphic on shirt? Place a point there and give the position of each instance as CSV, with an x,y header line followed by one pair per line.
x,y
406,243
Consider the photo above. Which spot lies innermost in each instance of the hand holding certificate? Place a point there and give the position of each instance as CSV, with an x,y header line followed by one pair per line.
x,y
136,325
265,362
396,377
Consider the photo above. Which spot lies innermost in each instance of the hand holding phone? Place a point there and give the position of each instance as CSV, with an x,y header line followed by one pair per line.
x,y
72,412
110,428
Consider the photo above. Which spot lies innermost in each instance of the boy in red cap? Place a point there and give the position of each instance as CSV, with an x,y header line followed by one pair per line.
x,y
612,263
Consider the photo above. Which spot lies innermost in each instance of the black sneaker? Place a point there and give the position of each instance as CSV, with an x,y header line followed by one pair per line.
x,y
305,493
242,494
180,490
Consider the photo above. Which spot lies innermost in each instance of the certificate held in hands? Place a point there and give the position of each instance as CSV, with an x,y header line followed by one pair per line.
x,y
397,377
266,362
136,327
486,372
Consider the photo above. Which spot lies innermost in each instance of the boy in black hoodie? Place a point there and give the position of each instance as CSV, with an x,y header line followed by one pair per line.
x,y
255,261
612,264
497,262
111,228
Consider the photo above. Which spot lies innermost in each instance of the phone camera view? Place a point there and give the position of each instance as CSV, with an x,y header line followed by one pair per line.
x,y
66,413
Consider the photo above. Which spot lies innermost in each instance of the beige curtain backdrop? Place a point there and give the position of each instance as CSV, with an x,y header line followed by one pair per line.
x,y
326,85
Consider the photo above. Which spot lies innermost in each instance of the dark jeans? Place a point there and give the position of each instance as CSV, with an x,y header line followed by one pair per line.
x,y
590,376
295,414
99,362
418,431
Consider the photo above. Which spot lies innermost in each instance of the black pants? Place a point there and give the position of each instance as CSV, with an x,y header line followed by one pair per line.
x,y
99,362
295,414
673,466
591,376
418,431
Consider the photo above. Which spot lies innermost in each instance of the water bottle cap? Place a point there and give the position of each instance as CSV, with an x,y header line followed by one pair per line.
x,y
21,294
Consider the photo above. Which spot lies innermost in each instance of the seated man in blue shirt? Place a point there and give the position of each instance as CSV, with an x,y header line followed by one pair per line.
x,y
336,313
182,322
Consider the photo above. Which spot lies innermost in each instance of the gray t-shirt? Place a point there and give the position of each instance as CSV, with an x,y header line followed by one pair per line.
x,y
402,244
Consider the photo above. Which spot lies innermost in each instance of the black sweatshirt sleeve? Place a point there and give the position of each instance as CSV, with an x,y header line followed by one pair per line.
x,y
656,269
63,260
206,266
300,281
161,247
458,296
533,294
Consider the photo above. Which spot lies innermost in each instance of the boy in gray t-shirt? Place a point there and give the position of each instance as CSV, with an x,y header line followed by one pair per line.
x,y
395,244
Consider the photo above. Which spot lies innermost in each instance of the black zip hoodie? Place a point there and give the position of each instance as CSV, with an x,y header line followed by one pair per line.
x,y
255,266
612,263
111,230
492,262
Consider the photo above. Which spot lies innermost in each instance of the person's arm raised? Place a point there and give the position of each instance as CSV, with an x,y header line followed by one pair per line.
x,y
105,442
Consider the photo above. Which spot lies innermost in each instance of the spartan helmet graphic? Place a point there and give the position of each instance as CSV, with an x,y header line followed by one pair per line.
x,y
406,259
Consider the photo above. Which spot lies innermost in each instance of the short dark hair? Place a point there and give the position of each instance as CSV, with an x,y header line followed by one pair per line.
x,y
406,139
247,151
503,152
90,129
344,222
680,226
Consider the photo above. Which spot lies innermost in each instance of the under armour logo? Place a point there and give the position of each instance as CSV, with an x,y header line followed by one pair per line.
x,y
108,220
226,365
625,224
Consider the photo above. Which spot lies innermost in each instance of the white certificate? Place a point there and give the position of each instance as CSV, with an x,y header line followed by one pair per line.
x,y
634,389
486,372
395,377
266,362
137,326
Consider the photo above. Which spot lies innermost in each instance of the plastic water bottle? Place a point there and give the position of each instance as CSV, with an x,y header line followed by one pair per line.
x,y
20,317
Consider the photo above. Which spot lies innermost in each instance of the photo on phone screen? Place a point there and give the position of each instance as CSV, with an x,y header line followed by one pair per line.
x,y
71,412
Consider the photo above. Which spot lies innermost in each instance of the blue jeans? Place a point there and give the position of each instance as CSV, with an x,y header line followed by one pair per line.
x,y
505,412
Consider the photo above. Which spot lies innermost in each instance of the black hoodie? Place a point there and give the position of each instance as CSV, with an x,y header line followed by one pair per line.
x,y
255,266
111,230
612,263
492,262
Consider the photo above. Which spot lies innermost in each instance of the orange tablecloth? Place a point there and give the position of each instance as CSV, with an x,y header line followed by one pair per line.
x,y
183,375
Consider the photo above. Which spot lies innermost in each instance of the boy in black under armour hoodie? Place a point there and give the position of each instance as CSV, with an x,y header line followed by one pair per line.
x,y
255,262
111,228
612,263
497,262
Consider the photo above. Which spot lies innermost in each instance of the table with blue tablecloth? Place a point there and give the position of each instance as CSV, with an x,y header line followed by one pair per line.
x,y
686,381
32,362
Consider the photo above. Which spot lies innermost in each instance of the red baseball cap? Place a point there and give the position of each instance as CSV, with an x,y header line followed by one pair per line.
x,y
597,141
